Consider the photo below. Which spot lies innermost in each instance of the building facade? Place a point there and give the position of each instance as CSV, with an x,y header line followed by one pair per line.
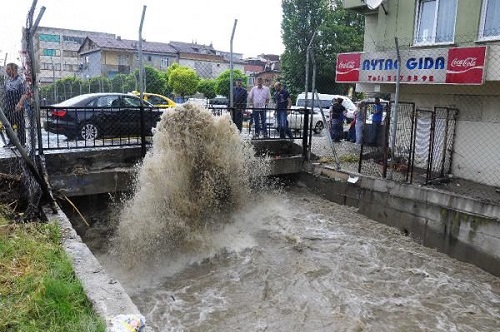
x,y
449,56
109,56
56,52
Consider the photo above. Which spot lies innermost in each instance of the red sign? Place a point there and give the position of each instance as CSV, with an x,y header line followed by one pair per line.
x,y
348,67
465,65
460,65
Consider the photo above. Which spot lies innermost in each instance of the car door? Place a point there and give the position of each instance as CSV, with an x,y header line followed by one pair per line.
x,y
107,115
132,109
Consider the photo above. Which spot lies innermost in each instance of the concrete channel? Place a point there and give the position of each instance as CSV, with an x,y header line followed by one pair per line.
x,y
464,228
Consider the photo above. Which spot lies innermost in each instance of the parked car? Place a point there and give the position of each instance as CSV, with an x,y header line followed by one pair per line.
x,y
98,115
156,100
218,102
296,121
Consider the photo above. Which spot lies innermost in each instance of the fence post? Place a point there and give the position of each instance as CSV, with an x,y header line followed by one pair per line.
x,y
394,114
141,84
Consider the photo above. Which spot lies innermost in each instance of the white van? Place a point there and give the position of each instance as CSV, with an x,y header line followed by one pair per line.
x,y
325,101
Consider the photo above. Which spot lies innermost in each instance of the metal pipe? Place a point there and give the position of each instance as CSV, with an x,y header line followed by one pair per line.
x,y
306,142
36,93
141,83
231,83
394,113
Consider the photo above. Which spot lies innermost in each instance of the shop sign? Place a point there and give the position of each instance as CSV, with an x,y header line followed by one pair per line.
x,y
459,65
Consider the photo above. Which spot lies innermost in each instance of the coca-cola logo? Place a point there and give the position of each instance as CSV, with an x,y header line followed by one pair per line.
x,y
347,65
465,63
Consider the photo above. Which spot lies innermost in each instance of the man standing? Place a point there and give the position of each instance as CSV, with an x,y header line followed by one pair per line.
x,y
239,103
259,99
378,110
15,96
283,105
337,111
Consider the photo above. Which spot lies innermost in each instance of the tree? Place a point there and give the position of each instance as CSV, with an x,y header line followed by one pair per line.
x,y
337,30
169,70
154,80
222,82
183,80
207,87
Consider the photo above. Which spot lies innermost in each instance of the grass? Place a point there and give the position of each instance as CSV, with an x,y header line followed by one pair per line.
x,y
38,288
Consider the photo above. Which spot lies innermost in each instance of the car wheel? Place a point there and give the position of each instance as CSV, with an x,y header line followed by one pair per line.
x,y
318,127
89,131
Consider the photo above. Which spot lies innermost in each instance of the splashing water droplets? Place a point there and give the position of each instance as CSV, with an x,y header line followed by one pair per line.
x,y
196,175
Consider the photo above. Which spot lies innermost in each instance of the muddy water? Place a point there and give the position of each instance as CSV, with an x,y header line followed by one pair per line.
x,y
275,258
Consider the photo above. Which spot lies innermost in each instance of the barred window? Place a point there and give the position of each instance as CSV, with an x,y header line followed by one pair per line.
x,y
490,20
435,23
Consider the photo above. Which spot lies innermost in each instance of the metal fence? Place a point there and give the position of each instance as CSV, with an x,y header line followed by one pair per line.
x,y
443,131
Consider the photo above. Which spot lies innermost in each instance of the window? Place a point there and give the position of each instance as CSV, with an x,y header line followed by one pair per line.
x,y
70,54
163,63
51,52
73,39
435,22
490,20
155,100
44,37
123,60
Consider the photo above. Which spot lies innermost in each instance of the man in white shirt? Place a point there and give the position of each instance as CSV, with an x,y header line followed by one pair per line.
x,y
258,99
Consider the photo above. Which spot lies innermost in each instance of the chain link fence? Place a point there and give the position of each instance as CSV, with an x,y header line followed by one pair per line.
x,y
447,124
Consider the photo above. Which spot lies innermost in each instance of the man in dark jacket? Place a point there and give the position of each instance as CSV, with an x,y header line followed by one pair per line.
x,y
337,111
240,95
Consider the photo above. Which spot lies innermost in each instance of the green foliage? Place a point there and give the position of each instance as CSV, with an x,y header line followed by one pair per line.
x,y
123,83
222,82
155,81
207,87
40,291
183,80
169,70
337,31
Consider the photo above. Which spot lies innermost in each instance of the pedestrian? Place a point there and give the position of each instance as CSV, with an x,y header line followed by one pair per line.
x,y
359,118
15,96
337,111
351,133
378,110
258,99
240,96
283,106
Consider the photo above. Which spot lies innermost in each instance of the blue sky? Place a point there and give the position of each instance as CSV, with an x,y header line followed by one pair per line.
x,y
205,21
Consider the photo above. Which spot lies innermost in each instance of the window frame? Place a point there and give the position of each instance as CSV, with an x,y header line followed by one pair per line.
x,y
482,23
432,41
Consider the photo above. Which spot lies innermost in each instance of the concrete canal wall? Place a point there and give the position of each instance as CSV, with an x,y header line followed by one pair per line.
x,y
463,228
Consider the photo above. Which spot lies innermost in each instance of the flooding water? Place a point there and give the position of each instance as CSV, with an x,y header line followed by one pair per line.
x,y
203,246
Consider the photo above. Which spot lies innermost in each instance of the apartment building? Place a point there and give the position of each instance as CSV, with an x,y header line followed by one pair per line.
x,y
449,58
56,52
